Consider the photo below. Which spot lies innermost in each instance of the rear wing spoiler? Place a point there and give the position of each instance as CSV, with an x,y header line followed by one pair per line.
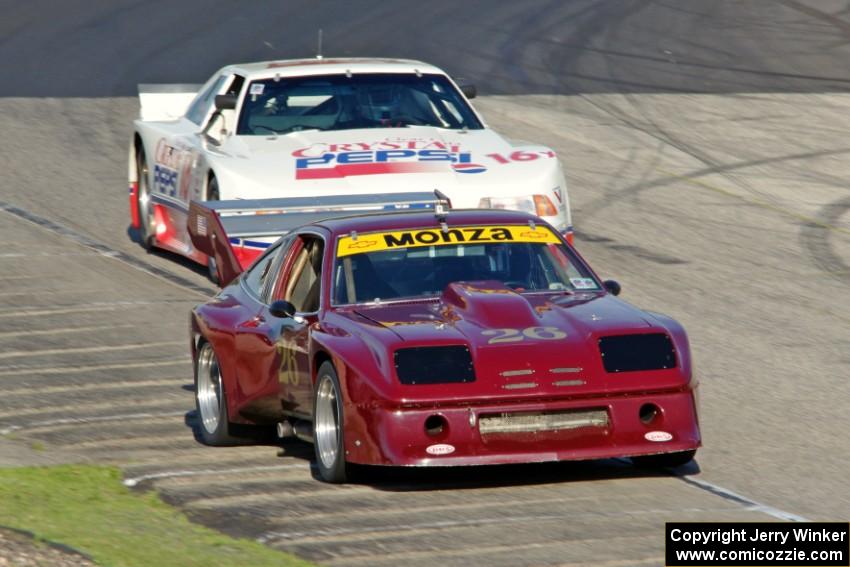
x,y
165,102
223,229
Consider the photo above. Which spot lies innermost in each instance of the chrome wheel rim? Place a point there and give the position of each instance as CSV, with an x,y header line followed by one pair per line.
x,y
208,389
145,203
326,422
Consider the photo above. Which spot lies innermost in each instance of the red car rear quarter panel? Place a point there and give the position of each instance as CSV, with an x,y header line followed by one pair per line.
x,y
217,321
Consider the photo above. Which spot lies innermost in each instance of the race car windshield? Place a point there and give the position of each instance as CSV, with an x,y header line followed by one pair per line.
x,y
340,102
418,271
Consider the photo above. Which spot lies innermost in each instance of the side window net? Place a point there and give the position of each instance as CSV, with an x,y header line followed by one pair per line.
x,y
303,287
257,275
200,107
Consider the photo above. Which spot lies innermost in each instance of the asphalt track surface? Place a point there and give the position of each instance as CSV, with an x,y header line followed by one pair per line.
x,y
706,150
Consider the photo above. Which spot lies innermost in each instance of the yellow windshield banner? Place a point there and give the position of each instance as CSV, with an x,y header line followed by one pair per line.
x,y
377,241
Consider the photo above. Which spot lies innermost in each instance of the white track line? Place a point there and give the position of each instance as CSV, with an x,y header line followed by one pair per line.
x,y
106,251
85,420
176,398
177,382
45,254
748,502
63,311
206,472
38,311
43,292
74,350
18,371
10,278
64,330
333,532
515,549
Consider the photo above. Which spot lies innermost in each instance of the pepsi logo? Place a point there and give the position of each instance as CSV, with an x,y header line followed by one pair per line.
x,y
469,168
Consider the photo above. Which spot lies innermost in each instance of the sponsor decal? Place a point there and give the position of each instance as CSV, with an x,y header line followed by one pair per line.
x,y
658,436
469,168
397,155
331,165
440,449
583,283
559,196
374,242
168,156
521,155
165,180
168,161
358,244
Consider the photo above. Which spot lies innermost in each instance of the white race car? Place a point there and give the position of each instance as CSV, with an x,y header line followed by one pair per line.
x,y
319,127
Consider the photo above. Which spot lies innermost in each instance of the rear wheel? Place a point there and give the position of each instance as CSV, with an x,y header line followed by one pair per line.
x,y
328,428
665,460
147,223
211,400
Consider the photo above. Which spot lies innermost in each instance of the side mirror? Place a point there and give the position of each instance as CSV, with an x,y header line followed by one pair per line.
x,y
469,91
282,309
612,287
225,102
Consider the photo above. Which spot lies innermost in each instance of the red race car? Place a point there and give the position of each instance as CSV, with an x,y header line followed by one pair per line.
x,y
428,337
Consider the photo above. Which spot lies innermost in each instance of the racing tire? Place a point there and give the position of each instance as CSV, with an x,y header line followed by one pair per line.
x,y
212,195
211,400
144,204
664,460
328,427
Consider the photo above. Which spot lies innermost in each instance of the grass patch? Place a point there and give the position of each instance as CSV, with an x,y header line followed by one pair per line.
x,y
87,508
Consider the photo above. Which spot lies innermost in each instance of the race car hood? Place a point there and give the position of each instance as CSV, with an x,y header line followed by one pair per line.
x,y
525,344
465,165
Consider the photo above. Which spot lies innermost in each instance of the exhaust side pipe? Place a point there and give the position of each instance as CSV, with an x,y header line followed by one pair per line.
x,y
301,429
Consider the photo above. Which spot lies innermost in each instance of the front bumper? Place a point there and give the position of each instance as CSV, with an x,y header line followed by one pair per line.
x,y
398,436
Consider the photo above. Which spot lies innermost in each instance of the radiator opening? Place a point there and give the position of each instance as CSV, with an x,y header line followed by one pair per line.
x,y
529,422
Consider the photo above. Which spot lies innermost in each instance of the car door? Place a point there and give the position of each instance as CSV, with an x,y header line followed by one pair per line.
x,y
301,286
256,335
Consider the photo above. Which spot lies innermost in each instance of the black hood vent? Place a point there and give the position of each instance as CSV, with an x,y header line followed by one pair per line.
x,y
434,365
632,353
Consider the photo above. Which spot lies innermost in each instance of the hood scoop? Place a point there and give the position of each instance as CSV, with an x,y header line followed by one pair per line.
x,y
489,304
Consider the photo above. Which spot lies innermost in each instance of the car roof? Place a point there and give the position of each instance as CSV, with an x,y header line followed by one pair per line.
x,y
426,219
330,66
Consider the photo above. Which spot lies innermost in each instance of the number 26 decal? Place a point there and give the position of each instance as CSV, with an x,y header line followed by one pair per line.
x,y
516,335
288,372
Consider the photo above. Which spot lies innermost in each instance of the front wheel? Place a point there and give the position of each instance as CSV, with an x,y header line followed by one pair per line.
x,y
665,460
328,429
144,203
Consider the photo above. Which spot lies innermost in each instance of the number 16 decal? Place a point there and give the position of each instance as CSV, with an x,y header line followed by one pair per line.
x,y
516,335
